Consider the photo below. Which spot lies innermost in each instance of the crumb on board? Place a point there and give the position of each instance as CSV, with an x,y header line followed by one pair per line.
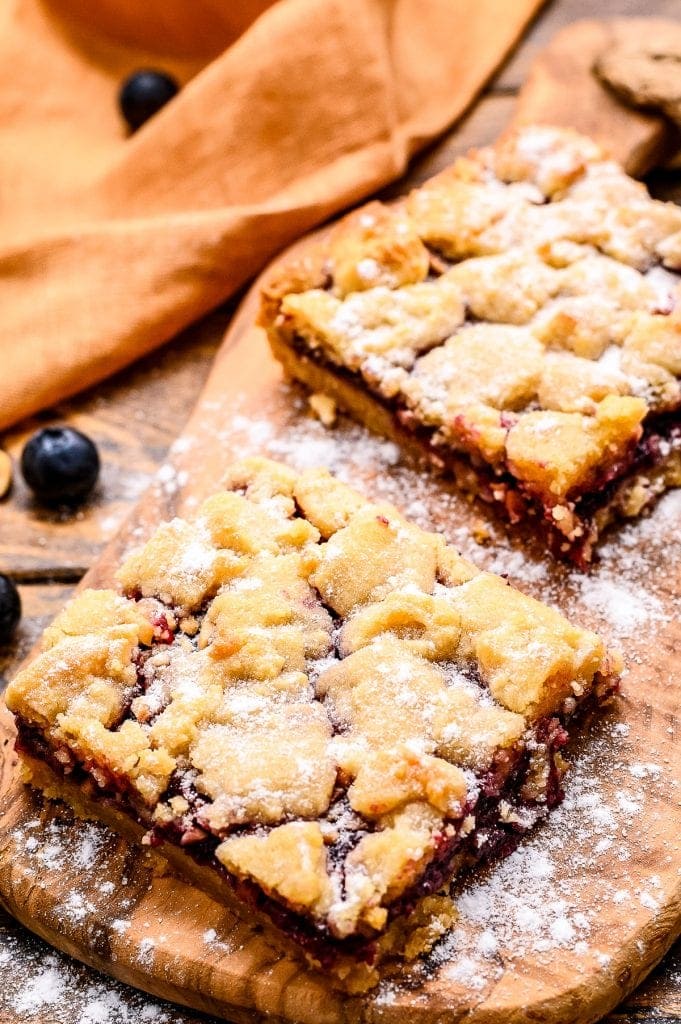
x,y
324,408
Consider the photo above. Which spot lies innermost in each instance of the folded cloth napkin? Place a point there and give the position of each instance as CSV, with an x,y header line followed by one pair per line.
x,y
289,111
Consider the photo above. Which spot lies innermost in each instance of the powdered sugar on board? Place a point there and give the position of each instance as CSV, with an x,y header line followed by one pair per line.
x,y
52,988
100,896
557,893
529,903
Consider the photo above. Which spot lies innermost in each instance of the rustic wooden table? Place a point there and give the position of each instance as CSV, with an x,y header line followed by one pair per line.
x,y
134,418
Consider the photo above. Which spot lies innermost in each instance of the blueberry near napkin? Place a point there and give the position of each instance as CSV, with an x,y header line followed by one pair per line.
x,y
289,111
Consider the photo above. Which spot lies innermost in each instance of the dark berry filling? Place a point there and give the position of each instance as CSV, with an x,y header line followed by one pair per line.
x,y
501,489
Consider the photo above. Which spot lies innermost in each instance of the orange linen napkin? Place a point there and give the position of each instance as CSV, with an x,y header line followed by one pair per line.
x,y
110,244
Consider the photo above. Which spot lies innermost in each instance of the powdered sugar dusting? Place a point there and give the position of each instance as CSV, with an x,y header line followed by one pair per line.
x,y
46,987
51,988
528,904
624,608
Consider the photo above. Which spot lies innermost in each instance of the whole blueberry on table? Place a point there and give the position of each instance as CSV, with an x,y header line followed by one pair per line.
x,y
60,465
143,94
10,608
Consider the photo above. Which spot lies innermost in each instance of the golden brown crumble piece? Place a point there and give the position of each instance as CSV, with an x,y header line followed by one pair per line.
x,y
503,630
235,523
538,360
554,452
288,862
324,408
669,250
426,625
325,501
461,218
89,675
268,622
452,568
656,340
125,753
392,702
377,553
264,482
529,283
376,246
98,611
540,155
571,384
501,367
625,287
299,275
385,780
265,766
391,324
180,565
318,734
634,231
187,690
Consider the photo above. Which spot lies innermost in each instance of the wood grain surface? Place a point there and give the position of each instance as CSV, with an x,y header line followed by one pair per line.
x,y
135,417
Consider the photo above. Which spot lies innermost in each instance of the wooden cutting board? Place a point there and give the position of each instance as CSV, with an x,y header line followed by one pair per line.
x,y
561,931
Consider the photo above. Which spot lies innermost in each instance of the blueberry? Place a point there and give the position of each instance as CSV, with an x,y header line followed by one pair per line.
x,y
60,465
143,94
10,608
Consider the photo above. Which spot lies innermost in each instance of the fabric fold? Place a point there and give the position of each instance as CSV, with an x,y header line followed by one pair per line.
x,y
111,244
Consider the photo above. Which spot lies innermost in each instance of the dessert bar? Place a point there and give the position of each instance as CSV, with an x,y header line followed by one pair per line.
x,y
313,708
514,319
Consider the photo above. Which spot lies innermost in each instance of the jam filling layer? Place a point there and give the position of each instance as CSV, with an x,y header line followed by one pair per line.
x,y
660,439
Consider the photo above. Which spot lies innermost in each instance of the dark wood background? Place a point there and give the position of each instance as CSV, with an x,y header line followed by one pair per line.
x,y
134,418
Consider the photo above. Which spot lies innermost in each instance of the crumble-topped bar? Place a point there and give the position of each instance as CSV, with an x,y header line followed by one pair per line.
x,y
316,704
515,318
